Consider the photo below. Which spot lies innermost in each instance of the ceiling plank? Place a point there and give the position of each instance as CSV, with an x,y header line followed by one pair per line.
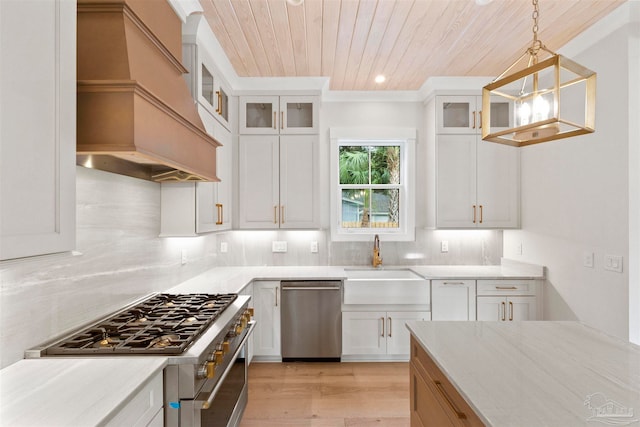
x,y
348,14
262,17
247,21
298,38
223,37
389,39
280,20
313,23
330,22
227,16
361,32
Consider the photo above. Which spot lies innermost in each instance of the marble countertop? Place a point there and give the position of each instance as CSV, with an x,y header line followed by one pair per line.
x,y
234,279
71,392
537,373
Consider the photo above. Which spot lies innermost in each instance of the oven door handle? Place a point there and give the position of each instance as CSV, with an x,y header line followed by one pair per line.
x,y
207,403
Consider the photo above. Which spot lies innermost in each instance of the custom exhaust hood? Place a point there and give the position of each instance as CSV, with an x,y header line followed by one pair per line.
x,y
135,114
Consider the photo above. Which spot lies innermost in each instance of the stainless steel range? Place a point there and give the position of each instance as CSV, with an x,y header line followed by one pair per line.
x,y
204,339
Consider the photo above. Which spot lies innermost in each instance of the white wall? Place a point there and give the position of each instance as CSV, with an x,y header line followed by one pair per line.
x,y
575,195
119,259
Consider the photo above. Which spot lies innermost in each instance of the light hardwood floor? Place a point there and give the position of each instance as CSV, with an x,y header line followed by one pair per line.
x,y
328,395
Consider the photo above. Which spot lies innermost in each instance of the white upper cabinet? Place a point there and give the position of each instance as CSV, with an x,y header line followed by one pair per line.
x,y
463,114
279,181
272,115
477,182
37,127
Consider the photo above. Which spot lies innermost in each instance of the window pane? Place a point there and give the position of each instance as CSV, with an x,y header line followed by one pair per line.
x,y
355,208
385,164
385,209
354,165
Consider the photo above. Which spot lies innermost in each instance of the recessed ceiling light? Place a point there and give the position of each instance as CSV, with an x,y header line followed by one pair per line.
x,y
380,78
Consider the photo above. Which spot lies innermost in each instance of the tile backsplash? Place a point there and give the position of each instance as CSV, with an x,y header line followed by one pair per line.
x,y
120,258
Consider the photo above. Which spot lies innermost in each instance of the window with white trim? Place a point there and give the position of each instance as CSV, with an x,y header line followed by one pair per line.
x,y
372,187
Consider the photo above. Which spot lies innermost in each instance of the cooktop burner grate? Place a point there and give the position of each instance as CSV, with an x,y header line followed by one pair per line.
x,y
162,324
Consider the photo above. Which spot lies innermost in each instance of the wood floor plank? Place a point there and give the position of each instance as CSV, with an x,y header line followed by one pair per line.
x,y
328,395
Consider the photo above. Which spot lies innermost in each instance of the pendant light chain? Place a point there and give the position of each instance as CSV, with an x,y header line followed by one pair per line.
x,y
537,44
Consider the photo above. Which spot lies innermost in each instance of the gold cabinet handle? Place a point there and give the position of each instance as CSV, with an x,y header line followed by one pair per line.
x,y
382,320
474,120
274,119
510,310
480,214
390,326
474,214
453,283
220,214
480,114
461,415
282,214
275,214
506,288
219,109
282,120
276,289
503,309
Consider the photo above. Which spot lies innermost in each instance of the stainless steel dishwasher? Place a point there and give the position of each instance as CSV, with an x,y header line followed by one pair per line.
x,y
311,320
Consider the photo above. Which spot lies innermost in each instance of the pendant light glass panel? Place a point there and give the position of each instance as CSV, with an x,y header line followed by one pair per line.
x,y
552,99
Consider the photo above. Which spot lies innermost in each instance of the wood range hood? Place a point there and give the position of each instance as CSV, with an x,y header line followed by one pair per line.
x,y
135,114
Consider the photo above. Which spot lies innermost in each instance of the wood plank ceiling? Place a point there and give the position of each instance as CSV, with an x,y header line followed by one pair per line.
x,y
408,41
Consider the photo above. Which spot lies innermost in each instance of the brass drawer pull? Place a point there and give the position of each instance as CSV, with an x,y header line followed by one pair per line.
x,y
507,288
275,214
453,407
453,283
474,214
382,320
390,324
503,309
510,310
282,120
281,214
480,214
274,119
220,214
219,109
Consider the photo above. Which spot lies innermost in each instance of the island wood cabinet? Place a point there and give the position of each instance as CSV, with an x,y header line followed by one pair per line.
x,y
377,333
192,208
434,401
453,299
508,300
266,336
37,127
279,181
273,114
477,182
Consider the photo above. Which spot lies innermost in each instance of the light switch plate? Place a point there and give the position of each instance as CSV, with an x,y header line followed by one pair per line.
x,y
314,247
279,246
444,246
224,247
613,263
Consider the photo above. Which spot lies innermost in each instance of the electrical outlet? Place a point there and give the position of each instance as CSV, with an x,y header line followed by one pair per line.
x,y
587,259
519,249
278,246
183,257
314,247
613,263
224,247
444,246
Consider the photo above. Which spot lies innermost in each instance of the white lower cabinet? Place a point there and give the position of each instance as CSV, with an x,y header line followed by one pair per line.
x,y
377,333
453,300
266,336
507,308
508,300
144,408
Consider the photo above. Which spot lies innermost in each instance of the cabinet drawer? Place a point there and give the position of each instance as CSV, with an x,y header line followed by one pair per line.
x,y
457,408
506,287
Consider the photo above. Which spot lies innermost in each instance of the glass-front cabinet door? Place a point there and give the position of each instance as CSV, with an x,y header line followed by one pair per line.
x,y
463,114
279,114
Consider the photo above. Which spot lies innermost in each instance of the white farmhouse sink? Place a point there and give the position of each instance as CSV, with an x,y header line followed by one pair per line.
x,y
381,274
385,286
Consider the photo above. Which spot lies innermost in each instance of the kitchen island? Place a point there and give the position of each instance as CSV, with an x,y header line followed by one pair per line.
x,y
522,374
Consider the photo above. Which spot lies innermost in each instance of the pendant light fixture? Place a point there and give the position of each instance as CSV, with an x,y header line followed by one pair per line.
x,y
552,97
